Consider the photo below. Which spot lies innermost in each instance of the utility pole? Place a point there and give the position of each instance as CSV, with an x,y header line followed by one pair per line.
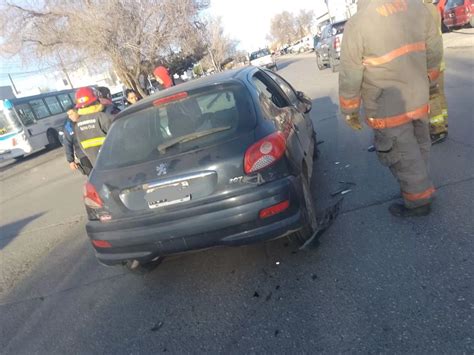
x,y
13,85
65,71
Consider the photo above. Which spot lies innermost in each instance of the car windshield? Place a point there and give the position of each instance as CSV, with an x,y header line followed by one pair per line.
x,y
201,119
454,3
7,123
259,54
338,28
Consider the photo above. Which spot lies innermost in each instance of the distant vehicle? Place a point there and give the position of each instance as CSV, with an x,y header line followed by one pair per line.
x,y
458,13
32,123
328,49
118,99
263,58
221,160
440,5
303,45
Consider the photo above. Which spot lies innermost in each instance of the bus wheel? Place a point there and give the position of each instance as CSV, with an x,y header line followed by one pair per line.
x,y
53,139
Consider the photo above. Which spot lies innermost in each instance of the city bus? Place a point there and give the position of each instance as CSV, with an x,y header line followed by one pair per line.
x,y
29,124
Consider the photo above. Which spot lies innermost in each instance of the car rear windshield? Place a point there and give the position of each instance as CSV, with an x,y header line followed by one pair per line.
x,y
259,54
454,3
203,118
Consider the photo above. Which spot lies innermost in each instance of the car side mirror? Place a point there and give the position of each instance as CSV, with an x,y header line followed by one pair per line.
x,y
306,103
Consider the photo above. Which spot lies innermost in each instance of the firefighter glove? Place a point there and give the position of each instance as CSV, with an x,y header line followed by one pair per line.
x,y
353,121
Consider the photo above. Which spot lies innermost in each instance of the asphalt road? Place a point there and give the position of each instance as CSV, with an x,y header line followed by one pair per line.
x,y
374,284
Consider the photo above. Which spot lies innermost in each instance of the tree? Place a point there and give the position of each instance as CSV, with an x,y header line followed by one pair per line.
x,y
283,28
220,48
129,34
304,22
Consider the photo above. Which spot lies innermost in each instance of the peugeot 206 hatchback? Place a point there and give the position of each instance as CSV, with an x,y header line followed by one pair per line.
x,y
224,160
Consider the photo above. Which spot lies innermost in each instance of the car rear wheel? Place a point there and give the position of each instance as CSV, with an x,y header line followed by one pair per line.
x,y
333,64
319,62
136,268
53,139
310,215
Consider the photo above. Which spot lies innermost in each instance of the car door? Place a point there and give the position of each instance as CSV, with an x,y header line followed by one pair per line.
x,y
301,121
277,106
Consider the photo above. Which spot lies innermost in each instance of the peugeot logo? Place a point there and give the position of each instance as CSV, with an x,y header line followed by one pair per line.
x,y
162,169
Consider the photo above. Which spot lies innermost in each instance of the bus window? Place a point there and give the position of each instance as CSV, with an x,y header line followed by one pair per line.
x,y
65,101
26,114
72,96
40,109
53,105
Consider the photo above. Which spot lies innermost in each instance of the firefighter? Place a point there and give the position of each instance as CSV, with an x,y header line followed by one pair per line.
x,y
390,60
74,155
438,104
93,123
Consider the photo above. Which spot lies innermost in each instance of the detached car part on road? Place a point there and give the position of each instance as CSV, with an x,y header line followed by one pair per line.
x,y
223,160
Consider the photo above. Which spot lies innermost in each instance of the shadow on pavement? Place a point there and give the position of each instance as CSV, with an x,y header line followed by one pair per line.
x,y
9,231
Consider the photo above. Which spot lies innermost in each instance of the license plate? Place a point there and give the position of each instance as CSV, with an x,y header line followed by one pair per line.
x,y
168,194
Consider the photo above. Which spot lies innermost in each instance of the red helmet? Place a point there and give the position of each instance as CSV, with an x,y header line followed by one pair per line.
x,y
85,97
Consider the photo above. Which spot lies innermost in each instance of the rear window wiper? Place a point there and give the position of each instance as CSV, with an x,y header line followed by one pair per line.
x,y
189,137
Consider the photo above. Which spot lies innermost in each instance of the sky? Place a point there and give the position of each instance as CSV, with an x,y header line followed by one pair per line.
x,y
249,20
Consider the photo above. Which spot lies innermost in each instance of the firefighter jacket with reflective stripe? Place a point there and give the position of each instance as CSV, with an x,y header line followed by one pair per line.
x,y
71,145
92,129
390,50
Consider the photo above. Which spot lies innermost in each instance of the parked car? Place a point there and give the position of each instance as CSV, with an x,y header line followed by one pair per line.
x,y
303,45
221,160
328,49
263,58
440,5
458,13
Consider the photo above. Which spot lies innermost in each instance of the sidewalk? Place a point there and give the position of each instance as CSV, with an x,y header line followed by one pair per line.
x,y
459,38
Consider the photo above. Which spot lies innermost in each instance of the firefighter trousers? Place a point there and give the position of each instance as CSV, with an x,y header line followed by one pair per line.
x,y
405,150
439,110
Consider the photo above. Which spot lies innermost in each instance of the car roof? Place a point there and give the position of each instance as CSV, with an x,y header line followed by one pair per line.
x,y
214,79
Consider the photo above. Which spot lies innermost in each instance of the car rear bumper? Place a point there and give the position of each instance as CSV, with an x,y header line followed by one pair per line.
x,y
458,21
236,222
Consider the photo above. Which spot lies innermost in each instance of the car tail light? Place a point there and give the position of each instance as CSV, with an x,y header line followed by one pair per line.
x,y
91,197
273,210
101,243
171,98
336,43
265,152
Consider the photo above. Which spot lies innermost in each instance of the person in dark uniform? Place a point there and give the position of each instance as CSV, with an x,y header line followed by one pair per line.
x,y
74,155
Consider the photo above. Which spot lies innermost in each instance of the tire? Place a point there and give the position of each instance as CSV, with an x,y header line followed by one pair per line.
x,y
315,147
53,139
310,215
444,28
334,65
321,66
142,269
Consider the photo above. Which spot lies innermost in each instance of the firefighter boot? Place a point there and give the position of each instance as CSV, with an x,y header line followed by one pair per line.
x,y
400,210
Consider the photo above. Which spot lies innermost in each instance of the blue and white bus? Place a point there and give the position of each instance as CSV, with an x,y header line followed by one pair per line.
x,y
29,124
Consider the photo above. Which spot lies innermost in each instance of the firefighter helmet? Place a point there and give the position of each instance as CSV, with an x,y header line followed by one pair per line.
x,y
85,97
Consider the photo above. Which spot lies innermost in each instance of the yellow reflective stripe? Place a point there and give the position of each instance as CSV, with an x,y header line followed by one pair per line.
x,y
93,142
437,119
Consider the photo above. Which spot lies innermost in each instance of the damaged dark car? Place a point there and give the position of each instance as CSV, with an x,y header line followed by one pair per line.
x,y
223,160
